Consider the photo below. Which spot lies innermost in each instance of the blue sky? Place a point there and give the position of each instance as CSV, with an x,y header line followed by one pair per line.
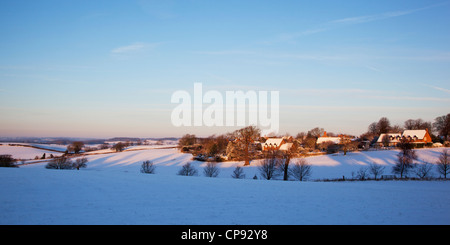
x,y
109,68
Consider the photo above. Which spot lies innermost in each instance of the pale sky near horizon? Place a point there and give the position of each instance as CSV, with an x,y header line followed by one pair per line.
x,y
108,68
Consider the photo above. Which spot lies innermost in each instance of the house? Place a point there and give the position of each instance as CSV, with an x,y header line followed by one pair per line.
x,y
325,138
274,144
286,146
389,139
421,136
336,140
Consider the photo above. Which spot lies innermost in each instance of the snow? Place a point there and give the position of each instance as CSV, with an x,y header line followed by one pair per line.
x,y
273,142
393,137
54,147
335,140
41,196
111,190
338,165
169,161
23,152
415,133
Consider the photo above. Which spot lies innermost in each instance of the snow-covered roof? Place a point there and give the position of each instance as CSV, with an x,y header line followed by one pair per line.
x,y
415,133
393,137
286,147
335,140
273,141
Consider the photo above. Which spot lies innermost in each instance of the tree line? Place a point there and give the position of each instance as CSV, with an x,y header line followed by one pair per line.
x,y
269,169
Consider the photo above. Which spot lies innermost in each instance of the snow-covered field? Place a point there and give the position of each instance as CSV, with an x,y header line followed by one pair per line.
x,y
169,161
22,152
111,190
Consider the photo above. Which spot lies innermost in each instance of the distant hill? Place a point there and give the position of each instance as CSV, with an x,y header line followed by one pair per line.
x,y
142,139
69,140
50,140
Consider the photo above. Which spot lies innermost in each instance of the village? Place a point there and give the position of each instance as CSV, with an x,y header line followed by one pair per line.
x,y
315,142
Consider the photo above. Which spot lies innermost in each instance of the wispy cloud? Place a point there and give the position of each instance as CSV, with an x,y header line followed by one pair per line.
x,y
128,48
133,48
439,88
290,37
373,68
275,55
382,16
370,18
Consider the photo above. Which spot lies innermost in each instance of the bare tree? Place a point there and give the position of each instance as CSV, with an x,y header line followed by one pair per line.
x,y
187,139
361,174
238,173
386,140
443,164
310,142
441,125
300,137
188,170
313,135
345,143
286,157
376,169
423,170
268,168
405,159
282,167
383,125
403,165
75,147
396,129
301,169
60,163
211,169
148,167
119,146
409,124
244,138
315,132
372,129
7,161
80,163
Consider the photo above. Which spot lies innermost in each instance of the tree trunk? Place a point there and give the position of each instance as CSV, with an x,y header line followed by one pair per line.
x,y
286,168
247,161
